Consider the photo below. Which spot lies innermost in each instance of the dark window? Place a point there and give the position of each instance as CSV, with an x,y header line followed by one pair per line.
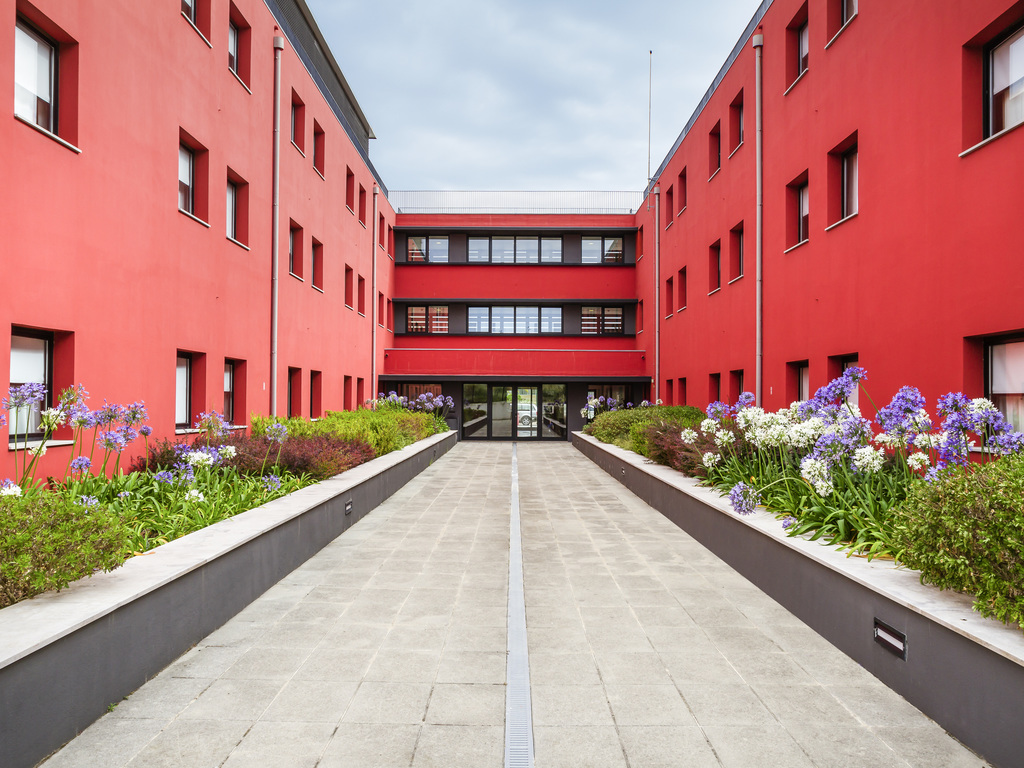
x,y
31,363
601,320
1006,82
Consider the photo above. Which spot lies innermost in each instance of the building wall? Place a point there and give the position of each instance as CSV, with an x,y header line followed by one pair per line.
x,y
96,249
926,269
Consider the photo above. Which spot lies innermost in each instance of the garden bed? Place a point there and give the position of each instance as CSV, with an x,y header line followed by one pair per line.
x,y
962,670
64,657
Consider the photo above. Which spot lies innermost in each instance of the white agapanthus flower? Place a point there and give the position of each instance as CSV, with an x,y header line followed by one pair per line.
x,y
889,441
918,460
868,459
815,472
749,417
980,405
51,418
38,450
724,437
199,459
227,451
10,490
708,426
930,440
688,436
710,459
804,434
194,495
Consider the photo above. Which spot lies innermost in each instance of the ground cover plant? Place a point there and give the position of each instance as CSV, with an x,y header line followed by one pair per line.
x,y
626,426
904,487
99,513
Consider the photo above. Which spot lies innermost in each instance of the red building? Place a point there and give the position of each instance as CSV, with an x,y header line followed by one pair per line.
x,y
843,194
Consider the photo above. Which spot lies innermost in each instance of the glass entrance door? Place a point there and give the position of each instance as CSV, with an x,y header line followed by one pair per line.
x,y
527,412
512,411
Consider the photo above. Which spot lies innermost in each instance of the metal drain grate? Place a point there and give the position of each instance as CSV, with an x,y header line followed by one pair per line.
x,y
518,714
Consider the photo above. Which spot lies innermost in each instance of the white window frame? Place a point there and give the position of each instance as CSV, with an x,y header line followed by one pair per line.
x,y
183,391
31,362
32,48
233,47
231,210
186,179
1005,379
1001,70
851,182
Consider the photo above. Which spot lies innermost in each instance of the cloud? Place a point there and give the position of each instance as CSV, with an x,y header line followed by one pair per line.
x,y
477,94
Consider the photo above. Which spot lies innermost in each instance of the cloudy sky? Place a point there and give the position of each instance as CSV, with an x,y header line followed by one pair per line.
x,y
526,94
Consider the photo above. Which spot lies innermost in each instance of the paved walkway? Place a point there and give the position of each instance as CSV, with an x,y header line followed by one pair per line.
x,y
388,648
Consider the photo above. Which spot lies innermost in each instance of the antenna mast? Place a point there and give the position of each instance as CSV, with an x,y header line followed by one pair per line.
x,y
650,73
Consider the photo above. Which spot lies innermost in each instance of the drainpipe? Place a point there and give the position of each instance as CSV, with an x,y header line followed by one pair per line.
x,y
373,293
758,42
276,224
657,293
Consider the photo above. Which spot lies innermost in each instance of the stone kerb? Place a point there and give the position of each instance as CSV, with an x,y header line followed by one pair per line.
x,y
65,656
964,671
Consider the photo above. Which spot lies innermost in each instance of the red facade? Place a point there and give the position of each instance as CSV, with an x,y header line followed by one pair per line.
x,y
887,174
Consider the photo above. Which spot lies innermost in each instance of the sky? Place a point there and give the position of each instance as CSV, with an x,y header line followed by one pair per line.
x,y
527,94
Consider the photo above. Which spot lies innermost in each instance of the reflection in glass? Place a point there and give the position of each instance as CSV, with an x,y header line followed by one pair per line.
x,y
502,250
438,319
551,320
553,420
478,320
479,249
501,411
551,249
474,410
526,250
416,320
438,249
503,320
613,253
526,411
417,248
591,250
612,320
526,320
590,322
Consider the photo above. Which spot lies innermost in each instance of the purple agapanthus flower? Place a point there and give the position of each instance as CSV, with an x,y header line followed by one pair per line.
x,y
25,395
164,477
271,482
81,464
111,440
744,498
276,432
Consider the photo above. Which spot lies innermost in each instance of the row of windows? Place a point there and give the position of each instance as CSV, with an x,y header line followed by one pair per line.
x,y
522,320
514,249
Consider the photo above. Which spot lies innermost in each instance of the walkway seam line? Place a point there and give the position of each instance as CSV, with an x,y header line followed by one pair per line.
x,y
518,710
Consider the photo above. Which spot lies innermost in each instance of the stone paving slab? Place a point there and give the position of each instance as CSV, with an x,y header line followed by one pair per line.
x,y
388,648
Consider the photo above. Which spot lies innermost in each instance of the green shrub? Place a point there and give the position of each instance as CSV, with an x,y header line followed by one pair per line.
x,y
617,426
47,541
965,531
385,430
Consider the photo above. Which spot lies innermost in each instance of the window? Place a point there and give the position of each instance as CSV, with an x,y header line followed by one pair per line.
x,y
839,14
1006,83
479,250
607,250
361,295
736,252
360,391
715,149
31,363
797,211
551,320
380,309
849,190
837,366
669,296
503,319
362,205
715,267
437,319
232,47
601,320
347,392
318,264
797,46
193,178
681,287
236,212
668,392
640,316
527,320
391,315
669,210
798,381
478,320
295,250
350,287
316,394
503,250
239,45
318,148
391,240
735,385
736,123
423,248
681,190
298,123
198,14
350,189
527,250
294,391
1006,380
183,391
229,391
35,77
551,250
416,320
681,391
714,387
188,9
186,179
381,232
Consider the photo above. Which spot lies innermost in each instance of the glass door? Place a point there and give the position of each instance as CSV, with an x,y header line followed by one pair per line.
x,y
502,409
527,406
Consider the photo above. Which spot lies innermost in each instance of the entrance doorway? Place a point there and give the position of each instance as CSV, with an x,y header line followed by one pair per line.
x,y
514,411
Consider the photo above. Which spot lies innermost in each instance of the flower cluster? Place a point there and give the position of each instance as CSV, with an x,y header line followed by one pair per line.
x,y
276,432
744,498
426,402
10,488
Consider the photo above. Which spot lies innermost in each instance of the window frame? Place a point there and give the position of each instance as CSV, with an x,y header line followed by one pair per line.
x,y
41,39
186,153
49,340
607,324
189,359
1014,35
989,378
846,209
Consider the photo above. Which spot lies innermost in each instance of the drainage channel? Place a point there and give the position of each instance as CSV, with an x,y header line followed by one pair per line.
x,y
518,714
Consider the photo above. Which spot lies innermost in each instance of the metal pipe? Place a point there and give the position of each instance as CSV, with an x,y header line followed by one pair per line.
x,y
758,42
276,224
373,294
657,292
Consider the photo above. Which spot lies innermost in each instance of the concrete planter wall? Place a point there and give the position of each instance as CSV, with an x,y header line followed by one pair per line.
x,y
963,671
64,657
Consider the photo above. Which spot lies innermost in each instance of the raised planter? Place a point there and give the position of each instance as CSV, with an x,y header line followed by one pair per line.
x,y
962,670
64,657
